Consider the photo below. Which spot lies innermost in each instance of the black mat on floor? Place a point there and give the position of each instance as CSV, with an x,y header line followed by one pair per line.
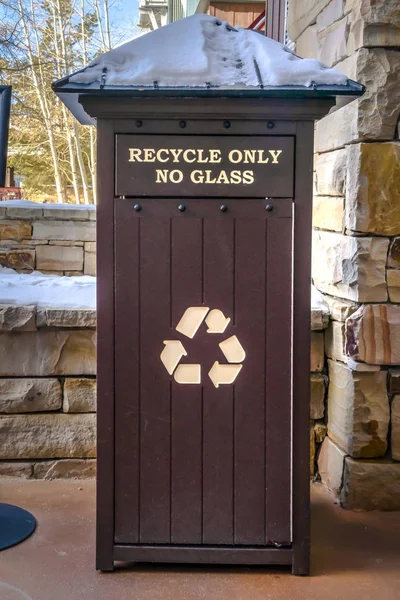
x,y
16,524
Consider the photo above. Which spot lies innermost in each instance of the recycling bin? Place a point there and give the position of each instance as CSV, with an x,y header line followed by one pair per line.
x,y
203,262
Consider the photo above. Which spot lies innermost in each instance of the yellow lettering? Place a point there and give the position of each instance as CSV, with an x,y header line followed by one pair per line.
x,y
236,153
176,176
176,154
134,154
248,177
236,177
161,176
260,157
201,159
164,151
208,177
222,177
215,156
250,156
197,176
275,154
185,156
149,155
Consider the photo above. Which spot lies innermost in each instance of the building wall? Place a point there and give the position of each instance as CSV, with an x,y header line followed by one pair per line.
x,y
356,247
241,14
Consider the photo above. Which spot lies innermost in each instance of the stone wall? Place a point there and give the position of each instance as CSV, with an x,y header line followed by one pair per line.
x,y
48,391
49,239
356,249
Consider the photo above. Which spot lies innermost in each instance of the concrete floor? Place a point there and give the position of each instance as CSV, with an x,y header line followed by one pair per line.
x,y
354,556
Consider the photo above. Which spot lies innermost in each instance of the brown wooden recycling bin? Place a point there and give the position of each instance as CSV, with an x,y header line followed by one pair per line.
x,y
203,262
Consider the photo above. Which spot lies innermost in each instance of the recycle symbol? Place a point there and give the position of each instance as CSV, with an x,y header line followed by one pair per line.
x,y
189,324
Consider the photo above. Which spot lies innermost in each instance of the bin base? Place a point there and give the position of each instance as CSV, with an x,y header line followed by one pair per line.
x,y
224,555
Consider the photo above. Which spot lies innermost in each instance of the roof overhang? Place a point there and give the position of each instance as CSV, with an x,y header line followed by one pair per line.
x,y
69,93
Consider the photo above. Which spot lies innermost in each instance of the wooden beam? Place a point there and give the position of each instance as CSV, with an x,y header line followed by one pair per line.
x,y
275,11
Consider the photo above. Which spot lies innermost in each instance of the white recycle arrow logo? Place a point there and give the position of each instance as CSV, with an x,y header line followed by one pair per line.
x,y
220,374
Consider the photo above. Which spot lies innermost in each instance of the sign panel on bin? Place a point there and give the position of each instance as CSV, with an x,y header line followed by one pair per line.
x,y
205,166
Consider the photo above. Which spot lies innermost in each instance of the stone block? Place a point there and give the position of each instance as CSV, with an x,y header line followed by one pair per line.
x,y
332,13
372,191
340,309
371,485
394,254
374,24
73,468
48,272
361,367
22,212
319,319
307,43
23,470
302,14
59,258
83,231
17,259
395,421
24,395
394,381
65,243
66,317
17,318
66,214
312,449
350,267
90,246
320,430
393,281
43,353
317,396
2,212
90,263
330,465
372,117
54,435
15,230
373,334
317,351
332,42
335,341
328,212
79,395
330,170
358,410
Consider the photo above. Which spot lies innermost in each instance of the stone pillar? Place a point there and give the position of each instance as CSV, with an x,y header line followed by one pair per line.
x,y
356,247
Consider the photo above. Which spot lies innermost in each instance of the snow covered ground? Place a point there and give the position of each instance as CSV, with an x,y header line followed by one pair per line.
x,y
200,50
51,291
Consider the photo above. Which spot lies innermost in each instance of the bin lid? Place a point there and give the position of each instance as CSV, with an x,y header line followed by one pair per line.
x,y
202,56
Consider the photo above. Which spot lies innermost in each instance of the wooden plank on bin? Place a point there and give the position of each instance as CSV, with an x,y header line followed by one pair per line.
x,y
278,379
249,434
155,407
105,349
127,372
186,432
301,347
218,403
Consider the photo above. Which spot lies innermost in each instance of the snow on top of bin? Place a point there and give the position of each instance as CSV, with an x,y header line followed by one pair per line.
x,y
202,51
